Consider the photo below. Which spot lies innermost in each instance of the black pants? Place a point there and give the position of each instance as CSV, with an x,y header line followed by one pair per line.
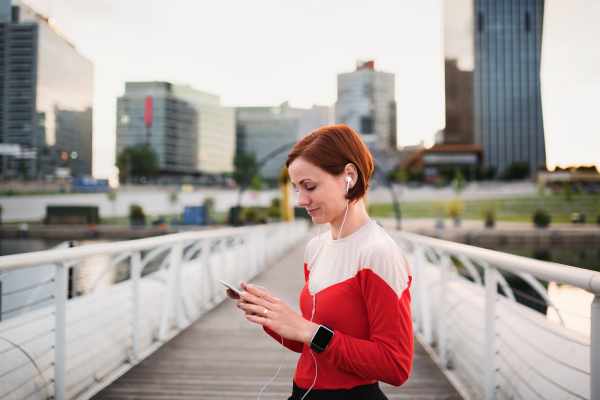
x,y
365,392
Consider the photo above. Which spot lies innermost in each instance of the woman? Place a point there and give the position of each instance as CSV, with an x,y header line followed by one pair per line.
x,y
356,326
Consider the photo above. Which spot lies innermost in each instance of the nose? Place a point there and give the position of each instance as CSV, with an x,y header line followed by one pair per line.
x,y
303,199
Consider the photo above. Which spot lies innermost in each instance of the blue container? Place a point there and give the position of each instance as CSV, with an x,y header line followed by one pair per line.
x,y
89,184
194,215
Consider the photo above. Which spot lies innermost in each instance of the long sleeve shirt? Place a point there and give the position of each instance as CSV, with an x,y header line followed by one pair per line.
x,y
363,295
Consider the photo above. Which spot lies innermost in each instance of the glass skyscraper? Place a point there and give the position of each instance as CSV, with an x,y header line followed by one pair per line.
x,y
46,98
507,96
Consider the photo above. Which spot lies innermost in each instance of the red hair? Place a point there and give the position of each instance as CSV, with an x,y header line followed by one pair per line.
x,y
331,148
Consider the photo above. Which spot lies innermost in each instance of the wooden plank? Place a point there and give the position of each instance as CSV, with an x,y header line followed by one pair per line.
x,y
223,356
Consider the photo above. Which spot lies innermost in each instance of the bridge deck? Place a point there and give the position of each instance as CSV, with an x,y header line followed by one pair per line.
x,y
223,356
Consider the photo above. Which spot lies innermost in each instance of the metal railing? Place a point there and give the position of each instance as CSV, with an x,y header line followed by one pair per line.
x,y
72,348
487,341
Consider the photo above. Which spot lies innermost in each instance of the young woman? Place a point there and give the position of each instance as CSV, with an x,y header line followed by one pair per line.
x,y
356,326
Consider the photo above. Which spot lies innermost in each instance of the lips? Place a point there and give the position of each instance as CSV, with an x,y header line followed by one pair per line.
x,y
311,212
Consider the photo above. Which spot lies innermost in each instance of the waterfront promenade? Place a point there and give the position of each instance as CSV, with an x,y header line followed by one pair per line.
x,y
223,356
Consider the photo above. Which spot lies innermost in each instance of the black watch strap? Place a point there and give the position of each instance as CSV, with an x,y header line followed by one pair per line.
x,y
321,339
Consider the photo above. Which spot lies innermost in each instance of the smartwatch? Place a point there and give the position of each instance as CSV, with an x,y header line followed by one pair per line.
x,y
321,339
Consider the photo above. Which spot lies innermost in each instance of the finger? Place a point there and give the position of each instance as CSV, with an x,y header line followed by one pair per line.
x,y
258,310
250,298
232,295
245,285
263,294
258,320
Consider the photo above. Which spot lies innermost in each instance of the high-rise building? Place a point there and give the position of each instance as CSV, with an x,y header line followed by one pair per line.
x,y
507,94
46,97
499,45
260,130
191,133
459,104
366,103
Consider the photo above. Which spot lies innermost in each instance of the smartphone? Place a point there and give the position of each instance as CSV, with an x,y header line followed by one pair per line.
x,y
227,285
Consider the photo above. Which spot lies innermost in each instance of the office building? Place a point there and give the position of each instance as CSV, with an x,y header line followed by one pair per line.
x,y
46,98
366,103
507,94
499,44
260,130
191,133
459,104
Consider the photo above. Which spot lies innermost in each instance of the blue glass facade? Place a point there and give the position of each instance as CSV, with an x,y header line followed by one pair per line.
x,y
507,95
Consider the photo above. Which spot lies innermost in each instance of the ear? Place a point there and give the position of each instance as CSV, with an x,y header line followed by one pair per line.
x,y
351,171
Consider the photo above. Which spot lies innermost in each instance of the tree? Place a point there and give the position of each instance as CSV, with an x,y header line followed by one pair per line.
x,y
459,181
242,164
136,162
515,171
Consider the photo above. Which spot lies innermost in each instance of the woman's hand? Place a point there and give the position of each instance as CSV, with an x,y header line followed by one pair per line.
x,y
263,308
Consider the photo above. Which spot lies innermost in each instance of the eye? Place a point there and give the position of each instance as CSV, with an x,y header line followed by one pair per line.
x,y
295,188
311,188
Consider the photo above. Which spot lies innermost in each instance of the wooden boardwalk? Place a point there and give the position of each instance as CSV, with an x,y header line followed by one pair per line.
x,y
223,356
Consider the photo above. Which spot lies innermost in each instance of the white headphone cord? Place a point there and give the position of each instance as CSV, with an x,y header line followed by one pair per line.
x,y
314,306
315,294
282,361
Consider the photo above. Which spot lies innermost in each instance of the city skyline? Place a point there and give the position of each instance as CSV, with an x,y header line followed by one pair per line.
x,y
243,60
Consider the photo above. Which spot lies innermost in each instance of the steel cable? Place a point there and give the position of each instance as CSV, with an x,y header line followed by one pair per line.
x,y
28,361
543,327
27,322
512,350
27,381
33,303
509,383
27,288
506,325
27,341
513,370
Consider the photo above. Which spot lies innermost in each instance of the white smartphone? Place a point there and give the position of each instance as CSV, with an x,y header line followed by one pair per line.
x,y
227,285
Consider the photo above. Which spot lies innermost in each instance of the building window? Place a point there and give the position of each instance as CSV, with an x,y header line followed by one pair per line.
x,y
480,21
367,126
527,22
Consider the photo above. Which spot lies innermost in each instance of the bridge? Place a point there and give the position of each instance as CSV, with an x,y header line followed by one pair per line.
x,y
167,330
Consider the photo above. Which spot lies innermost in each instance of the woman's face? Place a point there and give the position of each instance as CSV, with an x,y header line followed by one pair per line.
x,y
323,194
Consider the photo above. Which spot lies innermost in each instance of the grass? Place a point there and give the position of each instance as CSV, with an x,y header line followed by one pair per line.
x,y
508,209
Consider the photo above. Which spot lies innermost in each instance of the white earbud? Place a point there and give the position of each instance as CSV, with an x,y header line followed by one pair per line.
x,y
348,185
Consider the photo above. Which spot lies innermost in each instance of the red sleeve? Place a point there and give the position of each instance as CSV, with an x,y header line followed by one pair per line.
x,y
387,355
293,345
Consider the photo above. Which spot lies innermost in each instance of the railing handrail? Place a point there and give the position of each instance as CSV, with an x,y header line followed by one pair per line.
x,y
560,273
17,261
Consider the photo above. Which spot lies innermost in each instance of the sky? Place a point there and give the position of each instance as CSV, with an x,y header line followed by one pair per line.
x,y
265,52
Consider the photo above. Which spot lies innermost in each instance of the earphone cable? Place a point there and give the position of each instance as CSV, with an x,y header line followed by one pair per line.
x,y
315,293
282,361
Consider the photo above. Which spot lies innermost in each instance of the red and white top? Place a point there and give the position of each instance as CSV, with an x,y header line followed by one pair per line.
x,y
364,297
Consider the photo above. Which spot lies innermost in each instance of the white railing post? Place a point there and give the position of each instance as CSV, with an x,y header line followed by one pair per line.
x,y
177,256
443,309
136,274
60,345
169,293
491,292
595,350
205,276
423,299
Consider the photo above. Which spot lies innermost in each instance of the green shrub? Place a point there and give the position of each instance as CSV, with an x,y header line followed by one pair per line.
x,y
489,212
136,212
541,218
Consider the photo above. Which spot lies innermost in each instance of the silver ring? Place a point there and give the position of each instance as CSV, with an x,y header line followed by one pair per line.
x,y
265,313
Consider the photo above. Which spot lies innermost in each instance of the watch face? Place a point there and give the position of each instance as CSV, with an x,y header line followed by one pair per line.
x,y
322,337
